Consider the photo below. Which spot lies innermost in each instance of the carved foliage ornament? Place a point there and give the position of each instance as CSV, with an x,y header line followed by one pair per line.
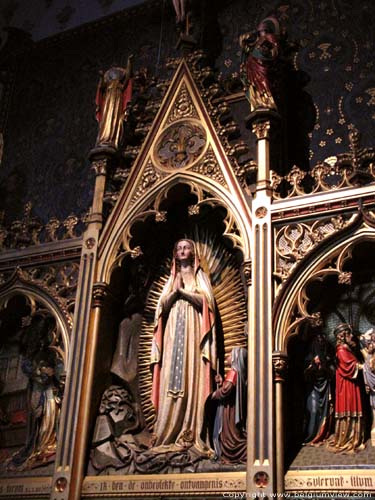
x,y
149,178
29,230
183,106
353,169
210,168
296,240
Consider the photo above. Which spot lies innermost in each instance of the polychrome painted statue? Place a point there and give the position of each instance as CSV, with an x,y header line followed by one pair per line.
x,y
183,356
349,426
319,404
43,412
229,436
113,94
260,52
369,377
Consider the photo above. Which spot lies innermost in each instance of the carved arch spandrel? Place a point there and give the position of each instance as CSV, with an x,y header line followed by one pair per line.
x,y
329,258
237,224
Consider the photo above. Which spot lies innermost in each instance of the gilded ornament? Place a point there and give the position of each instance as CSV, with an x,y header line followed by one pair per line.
x,y
149,178
70,223
262,129
261,212
60,484
261,479
345,278
193,209
51,228
136,252
296,240
210,168
180,145
183,106
161,216
295,177
90,243
315,319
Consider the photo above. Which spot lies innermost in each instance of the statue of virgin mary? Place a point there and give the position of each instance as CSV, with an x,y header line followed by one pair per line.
x,y
183,356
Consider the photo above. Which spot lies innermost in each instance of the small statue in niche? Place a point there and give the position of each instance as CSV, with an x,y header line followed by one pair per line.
x,y
260,55
112,97
319,404
229,435
349,427
44,369
183,356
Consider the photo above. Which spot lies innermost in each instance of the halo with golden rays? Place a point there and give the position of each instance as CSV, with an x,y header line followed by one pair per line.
x,y
221,266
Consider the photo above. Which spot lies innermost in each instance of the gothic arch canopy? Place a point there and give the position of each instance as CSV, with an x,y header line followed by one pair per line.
x,y
182,147
291,309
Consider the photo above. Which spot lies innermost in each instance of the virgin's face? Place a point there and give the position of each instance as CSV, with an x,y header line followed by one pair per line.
x,y
184,250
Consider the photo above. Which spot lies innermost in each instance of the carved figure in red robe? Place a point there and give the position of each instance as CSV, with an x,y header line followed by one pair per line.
x,y
260,51
349,428
229,436
112,96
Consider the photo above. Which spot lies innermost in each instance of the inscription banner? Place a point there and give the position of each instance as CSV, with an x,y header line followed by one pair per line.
x,y
361,480
168,483
25,486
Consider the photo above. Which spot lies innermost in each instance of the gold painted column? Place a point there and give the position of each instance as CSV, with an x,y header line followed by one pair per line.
x,y
280,365
261,430
68,474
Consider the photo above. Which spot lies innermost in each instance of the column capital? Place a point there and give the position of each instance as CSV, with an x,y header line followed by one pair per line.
x,y
262,129
247,267
280,365
100,167
99,292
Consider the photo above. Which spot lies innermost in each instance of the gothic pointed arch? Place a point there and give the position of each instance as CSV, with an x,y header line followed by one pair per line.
x,y
182,146
329,258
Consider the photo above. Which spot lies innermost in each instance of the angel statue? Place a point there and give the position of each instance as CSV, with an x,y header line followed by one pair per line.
x,y
183,356
112,97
